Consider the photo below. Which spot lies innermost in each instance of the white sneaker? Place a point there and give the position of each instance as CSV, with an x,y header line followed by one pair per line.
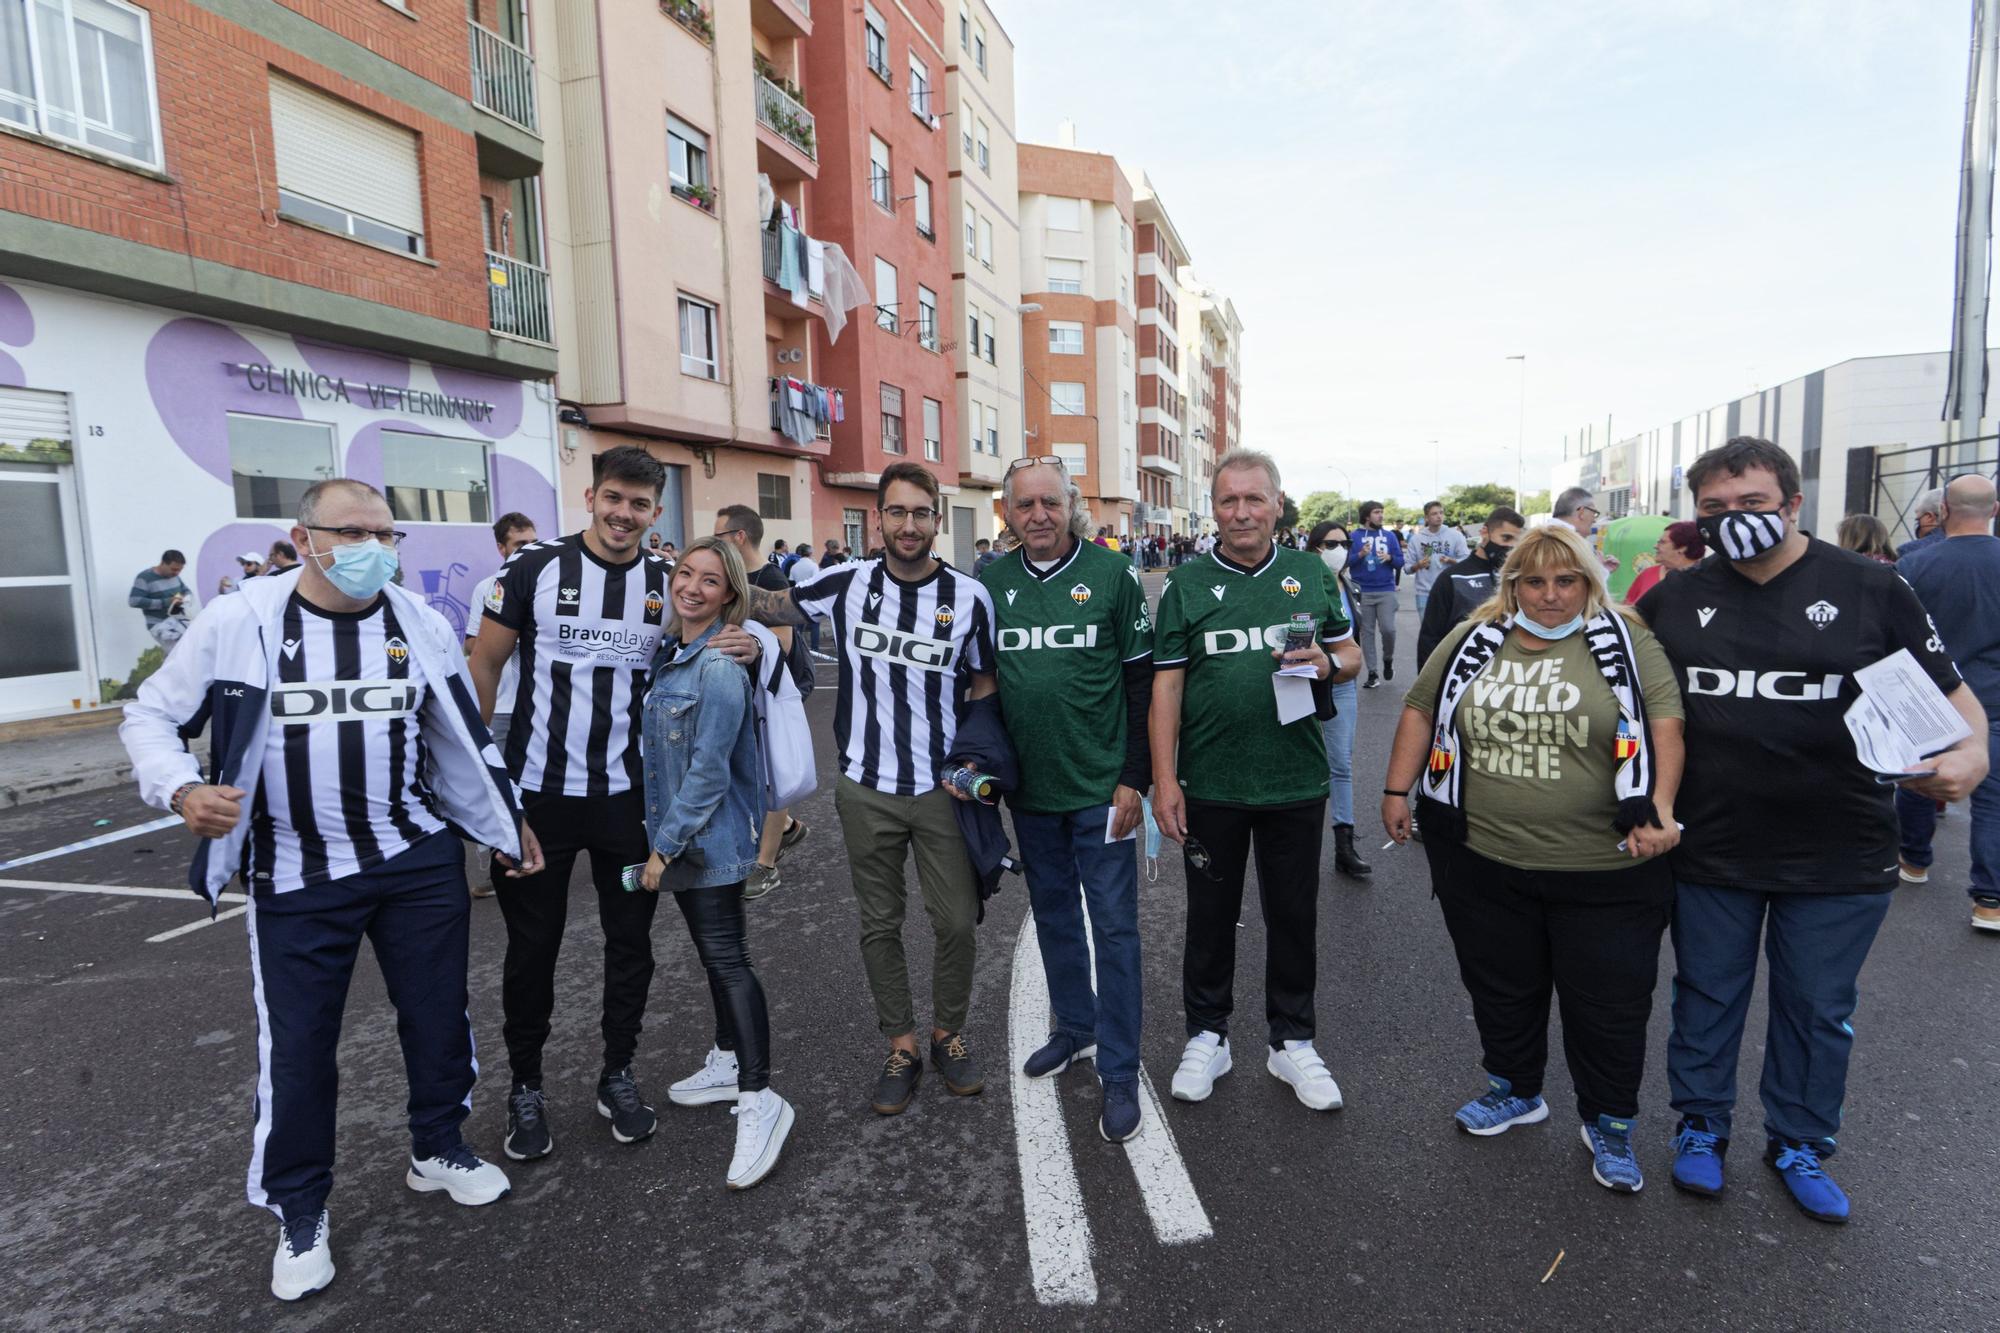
x,y
763,1120
714,1082
297,1273
461,1174
1203,1060
1299,1065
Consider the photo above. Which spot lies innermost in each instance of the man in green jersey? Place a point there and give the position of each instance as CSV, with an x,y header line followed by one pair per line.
x,y
1075,652
1228,774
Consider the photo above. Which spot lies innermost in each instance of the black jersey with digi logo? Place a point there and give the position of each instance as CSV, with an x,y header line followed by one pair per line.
x,y
1774,797
588,630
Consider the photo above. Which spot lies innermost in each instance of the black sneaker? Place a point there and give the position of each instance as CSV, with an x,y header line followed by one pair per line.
x,y
956,1067
1372,681
1388,671
618,1101
900,1075
528,1134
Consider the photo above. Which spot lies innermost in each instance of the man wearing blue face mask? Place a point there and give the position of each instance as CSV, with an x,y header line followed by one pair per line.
x,y
1788,836
344,725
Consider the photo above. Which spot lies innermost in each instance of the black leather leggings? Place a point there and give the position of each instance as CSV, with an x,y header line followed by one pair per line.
x,y
715,924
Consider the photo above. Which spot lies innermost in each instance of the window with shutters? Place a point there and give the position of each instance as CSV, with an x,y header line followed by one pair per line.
x,y
885,296
876,41
971,230
341,168
985,150
892,419
979,46
273,460
1065,338
879,177
933,430
1066,275
1065,214
774,495
1067,396
687,162
986,242
973,416
922,208
698,341
920,89
1075,458
993,430
81,71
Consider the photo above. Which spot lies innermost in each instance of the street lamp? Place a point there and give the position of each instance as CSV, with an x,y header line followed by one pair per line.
x,y
1521,428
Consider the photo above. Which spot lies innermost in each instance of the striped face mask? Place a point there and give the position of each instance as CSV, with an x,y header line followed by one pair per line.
x,y
1743,534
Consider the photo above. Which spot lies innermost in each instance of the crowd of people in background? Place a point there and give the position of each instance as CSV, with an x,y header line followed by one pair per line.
x,y
1585,772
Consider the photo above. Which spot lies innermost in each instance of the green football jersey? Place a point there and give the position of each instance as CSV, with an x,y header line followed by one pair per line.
x,y
1219,622
1064,639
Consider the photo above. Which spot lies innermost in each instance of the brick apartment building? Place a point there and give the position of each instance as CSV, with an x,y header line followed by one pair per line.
x,y
247,247
1077,265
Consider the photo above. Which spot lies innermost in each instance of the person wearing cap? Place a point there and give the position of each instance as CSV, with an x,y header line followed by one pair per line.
x,y
251,563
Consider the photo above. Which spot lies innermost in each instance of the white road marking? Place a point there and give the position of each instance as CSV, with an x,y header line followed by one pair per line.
x,y
117,890
98,841
1058,1230
166,935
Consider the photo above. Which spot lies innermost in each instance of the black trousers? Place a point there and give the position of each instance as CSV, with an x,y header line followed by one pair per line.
x,y
1591,936
1286,840
715,924
613,830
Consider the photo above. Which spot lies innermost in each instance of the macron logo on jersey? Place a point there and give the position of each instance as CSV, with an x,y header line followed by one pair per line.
x,y
1707,613
1017,639
903,648
343,701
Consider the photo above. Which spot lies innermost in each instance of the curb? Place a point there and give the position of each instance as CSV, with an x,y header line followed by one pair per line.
x,y
77,783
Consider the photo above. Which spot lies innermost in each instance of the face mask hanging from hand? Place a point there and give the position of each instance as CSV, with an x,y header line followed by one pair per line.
x,y
1742,534
361,569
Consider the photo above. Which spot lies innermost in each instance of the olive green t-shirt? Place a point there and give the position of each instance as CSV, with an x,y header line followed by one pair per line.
x,y
1536,735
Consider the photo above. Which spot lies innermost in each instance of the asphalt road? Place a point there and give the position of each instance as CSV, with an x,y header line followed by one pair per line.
x,y
126,1069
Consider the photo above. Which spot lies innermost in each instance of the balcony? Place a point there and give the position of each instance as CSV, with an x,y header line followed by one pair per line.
x,y
503,85
690,15
787,144
517,299
782,19
778,301
1151,459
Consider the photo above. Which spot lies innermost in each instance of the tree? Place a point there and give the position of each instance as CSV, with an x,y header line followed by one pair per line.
x,y
1473,501
1290,517
1320,506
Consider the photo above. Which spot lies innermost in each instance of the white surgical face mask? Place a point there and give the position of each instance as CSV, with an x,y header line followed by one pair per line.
x,y
1336,559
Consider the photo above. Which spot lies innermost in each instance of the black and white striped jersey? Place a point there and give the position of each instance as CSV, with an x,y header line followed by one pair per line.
x,y
342,788
588,633
905,650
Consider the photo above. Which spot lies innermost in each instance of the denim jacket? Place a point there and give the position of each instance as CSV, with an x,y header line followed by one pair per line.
x,y
704,781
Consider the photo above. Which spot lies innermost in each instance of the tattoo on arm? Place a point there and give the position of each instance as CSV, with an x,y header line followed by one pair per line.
x,y
771,607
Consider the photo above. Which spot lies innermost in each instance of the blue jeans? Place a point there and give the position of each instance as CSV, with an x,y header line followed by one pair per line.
x,y
1059,852
1339,733
1423,600
1815,944
1918,817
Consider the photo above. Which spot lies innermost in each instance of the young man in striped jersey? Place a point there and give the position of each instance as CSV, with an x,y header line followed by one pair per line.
x,y
1076,675
916,643
341,714
584,612
1229,775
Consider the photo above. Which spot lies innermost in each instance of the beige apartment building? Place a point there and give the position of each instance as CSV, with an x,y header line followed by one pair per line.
x,y
1079,357
1159,259
1211,336
672,129
985,235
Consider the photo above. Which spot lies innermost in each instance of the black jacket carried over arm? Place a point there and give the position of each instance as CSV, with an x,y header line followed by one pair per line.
x,y
1458,590
982,743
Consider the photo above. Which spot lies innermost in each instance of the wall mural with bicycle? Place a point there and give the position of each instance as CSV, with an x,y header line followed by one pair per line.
x,y
177,419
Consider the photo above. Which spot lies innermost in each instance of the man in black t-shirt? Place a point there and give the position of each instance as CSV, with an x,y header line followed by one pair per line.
x,y
1787,834
745,527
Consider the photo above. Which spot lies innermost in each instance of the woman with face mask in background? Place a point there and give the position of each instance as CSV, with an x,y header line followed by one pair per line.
x,y
1328,540
1543,741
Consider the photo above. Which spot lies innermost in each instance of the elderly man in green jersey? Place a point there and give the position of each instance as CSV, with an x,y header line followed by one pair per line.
x,y
1229,772
1075,652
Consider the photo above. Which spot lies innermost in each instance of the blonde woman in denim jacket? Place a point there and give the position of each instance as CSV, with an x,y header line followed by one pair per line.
x,y
704,811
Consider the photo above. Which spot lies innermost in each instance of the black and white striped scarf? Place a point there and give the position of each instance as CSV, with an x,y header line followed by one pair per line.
x,y
1610,642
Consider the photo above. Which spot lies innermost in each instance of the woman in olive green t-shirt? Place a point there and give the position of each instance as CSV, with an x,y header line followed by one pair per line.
x,y
1542,893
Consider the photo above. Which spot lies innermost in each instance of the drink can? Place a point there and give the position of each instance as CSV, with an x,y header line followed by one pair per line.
x,y
1300,631
628,878
972,784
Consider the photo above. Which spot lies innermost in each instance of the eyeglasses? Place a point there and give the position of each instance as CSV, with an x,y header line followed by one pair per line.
x,y
898,514
387,536
1591,510
1055,459
1198,856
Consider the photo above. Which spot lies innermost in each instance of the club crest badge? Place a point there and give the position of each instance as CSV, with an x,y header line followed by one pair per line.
x,y
944,618
1079,594
398,651
1291,586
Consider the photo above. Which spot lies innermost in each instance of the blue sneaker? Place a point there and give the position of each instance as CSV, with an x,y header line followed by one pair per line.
x,y
1698,1155
1057,1054
1120,1120
1812,1188
1500,1110
1612,1163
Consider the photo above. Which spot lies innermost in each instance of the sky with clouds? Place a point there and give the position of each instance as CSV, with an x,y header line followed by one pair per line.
x,y
1662,203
